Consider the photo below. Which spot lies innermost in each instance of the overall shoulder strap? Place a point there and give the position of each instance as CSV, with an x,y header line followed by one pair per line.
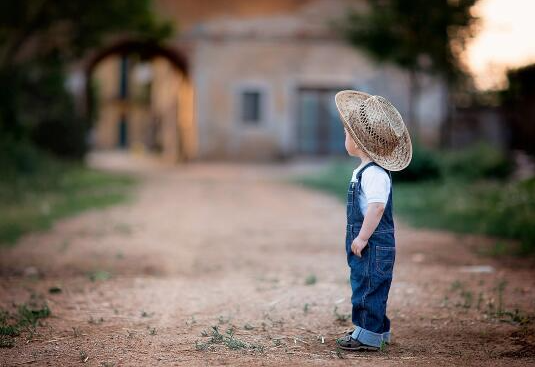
x,y
359,175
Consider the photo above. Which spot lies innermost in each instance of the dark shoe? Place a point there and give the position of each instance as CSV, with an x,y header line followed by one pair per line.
x,y
348,343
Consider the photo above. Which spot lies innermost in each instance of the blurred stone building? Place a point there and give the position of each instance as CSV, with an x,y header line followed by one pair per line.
x,y
253,80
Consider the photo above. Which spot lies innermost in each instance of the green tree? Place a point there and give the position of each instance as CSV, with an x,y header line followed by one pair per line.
x,y
31,29
38,39
420,36
518,102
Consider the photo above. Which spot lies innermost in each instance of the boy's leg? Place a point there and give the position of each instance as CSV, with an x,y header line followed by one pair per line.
x,y
371,277
386,330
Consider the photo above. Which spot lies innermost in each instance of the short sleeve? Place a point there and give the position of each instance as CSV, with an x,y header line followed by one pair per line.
x,y
376,185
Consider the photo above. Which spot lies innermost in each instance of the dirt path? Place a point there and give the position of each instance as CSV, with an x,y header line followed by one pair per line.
x,y
236,247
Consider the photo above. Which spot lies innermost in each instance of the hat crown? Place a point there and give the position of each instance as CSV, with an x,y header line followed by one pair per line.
x,y
380,123
377,127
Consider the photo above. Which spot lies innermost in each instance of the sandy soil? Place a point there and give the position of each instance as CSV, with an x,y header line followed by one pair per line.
x,y
234,246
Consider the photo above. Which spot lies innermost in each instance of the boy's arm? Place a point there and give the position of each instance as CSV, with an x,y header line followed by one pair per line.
x,y
374,212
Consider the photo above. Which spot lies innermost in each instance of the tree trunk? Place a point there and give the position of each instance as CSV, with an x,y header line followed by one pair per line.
x,y
447,124
412,115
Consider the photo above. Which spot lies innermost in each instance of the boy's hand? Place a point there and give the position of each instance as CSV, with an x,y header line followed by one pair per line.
x,y
358,245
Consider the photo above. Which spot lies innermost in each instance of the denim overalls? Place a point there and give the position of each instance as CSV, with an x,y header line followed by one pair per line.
x,y
371,274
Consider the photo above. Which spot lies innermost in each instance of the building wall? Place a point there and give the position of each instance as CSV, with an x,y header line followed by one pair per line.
x,y
275,47
222,69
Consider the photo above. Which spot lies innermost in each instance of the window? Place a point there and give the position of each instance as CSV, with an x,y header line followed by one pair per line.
x,y
251,106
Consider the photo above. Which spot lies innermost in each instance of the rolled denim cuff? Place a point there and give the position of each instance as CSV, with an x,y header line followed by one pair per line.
x,y
367,337
386,336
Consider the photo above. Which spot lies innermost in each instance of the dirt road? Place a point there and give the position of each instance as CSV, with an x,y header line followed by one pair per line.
x,y
239,248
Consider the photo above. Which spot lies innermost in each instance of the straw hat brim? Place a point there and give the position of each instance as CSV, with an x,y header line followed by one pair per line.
x,y
401,155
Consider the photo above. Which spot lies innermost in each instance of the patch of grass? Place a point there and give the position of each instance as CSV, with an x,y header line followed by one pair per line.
x,y
518,317
228,340
311,279
191,321
382,347
34,201
95,321
500,288
467,299
99,275
146,314
29,315
495,302
456,285
76,332
83,356
340,317
26,318
9,330
486,206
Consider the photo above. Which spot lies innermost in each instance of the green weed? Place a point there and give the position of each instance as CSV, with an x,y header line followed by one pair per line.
x,y
484,205
83,356
228,340
26,319
94,321
340,317
311,279
99,275
33,202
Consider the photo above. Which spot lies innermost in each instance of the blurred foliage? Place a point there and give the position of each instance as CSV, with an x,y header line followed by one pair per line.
x,y
519,105
478,161
418,35
36,190
38,39
32,29
424,166
39,108
17,157
486,207
465,198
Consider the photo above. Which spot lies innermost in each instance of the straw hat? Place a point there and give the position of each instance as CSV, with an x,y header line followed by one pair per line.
x,y
376,127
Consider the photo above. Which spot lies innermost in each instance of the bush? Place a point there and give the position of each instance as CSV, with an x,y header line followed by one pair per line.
x,y
51,190
477,162
499,208
18,157
36,107
61,137
511,213
424,166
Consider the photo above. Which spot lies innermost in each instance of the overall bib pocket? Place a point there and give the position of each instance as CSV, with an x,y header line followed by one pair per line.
x,y
350,203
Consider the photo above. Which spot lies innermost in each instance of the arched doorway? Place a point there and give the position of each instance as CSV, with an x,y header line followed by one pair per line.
x,y
140,99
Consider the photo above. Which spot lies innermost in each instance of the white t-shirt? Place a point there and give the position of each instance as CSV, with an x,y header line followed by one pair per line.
x,y
375,185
